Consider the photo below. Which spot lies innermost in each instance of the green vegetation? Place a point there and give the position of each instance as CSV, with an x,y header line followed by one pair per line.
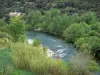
x,y
19,56
16,28
27,57
92,66
76,31
69,6
89,44
82,30
80,68
68,19
36,42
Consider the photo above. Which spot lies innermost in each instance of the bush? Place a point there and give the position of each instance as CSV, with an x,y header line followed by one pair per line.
x,y
93,66
79,64
36,42
88,44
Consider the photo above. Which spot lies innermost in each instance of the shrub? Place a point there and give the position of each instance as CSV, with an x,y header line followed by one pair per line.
x,y
93,66
91,44
96,27
36,42
79,64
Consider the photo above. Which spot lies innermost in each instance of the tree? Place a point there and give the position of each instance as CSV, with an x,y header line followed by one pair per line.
x,y
33,18
76,31
16,28
89,18
54,12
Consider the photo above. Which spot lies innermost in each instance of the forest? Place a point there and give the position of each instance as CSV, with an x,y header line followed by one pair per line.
x,y
75,21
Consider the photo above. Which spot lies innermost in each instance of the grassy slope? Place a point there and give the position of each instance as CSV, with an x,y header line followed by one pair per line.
x,y
5,60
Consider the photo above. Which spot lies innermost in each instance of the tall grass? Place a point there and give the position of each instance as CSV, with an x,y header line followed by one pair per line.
x,y
5,43
26,56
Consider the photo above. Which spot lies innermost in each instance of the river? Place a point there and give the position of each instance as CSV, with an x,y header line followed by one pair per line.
x,y
58,46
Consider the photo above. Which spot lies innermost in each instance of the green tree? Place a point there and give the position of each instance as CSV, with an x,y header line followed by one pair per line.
x,y
89,18
54,12
17,28
76,31
56,26
33,18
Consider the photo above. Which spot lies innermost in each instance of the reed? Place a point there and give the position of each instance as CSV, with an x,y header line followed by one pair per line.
x,y
26,56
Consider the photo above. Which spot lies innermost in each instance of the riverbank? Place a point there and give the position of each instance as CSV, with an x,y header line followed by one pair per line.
x,y
45,31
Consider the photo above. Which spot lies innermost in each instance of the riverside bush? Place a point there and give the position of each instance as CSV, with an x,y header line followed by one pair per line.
x,y
83,67
36,42
93,66
88,44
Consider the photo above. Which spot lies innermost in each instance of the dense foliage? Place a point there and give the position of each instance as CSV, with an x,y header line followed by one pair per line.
x,y
16,28
34,57
68,19
70,6
83,30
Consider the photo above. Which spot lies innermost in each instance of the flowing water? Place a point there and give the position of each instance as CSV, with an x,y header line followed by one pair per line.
x,y
58,46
